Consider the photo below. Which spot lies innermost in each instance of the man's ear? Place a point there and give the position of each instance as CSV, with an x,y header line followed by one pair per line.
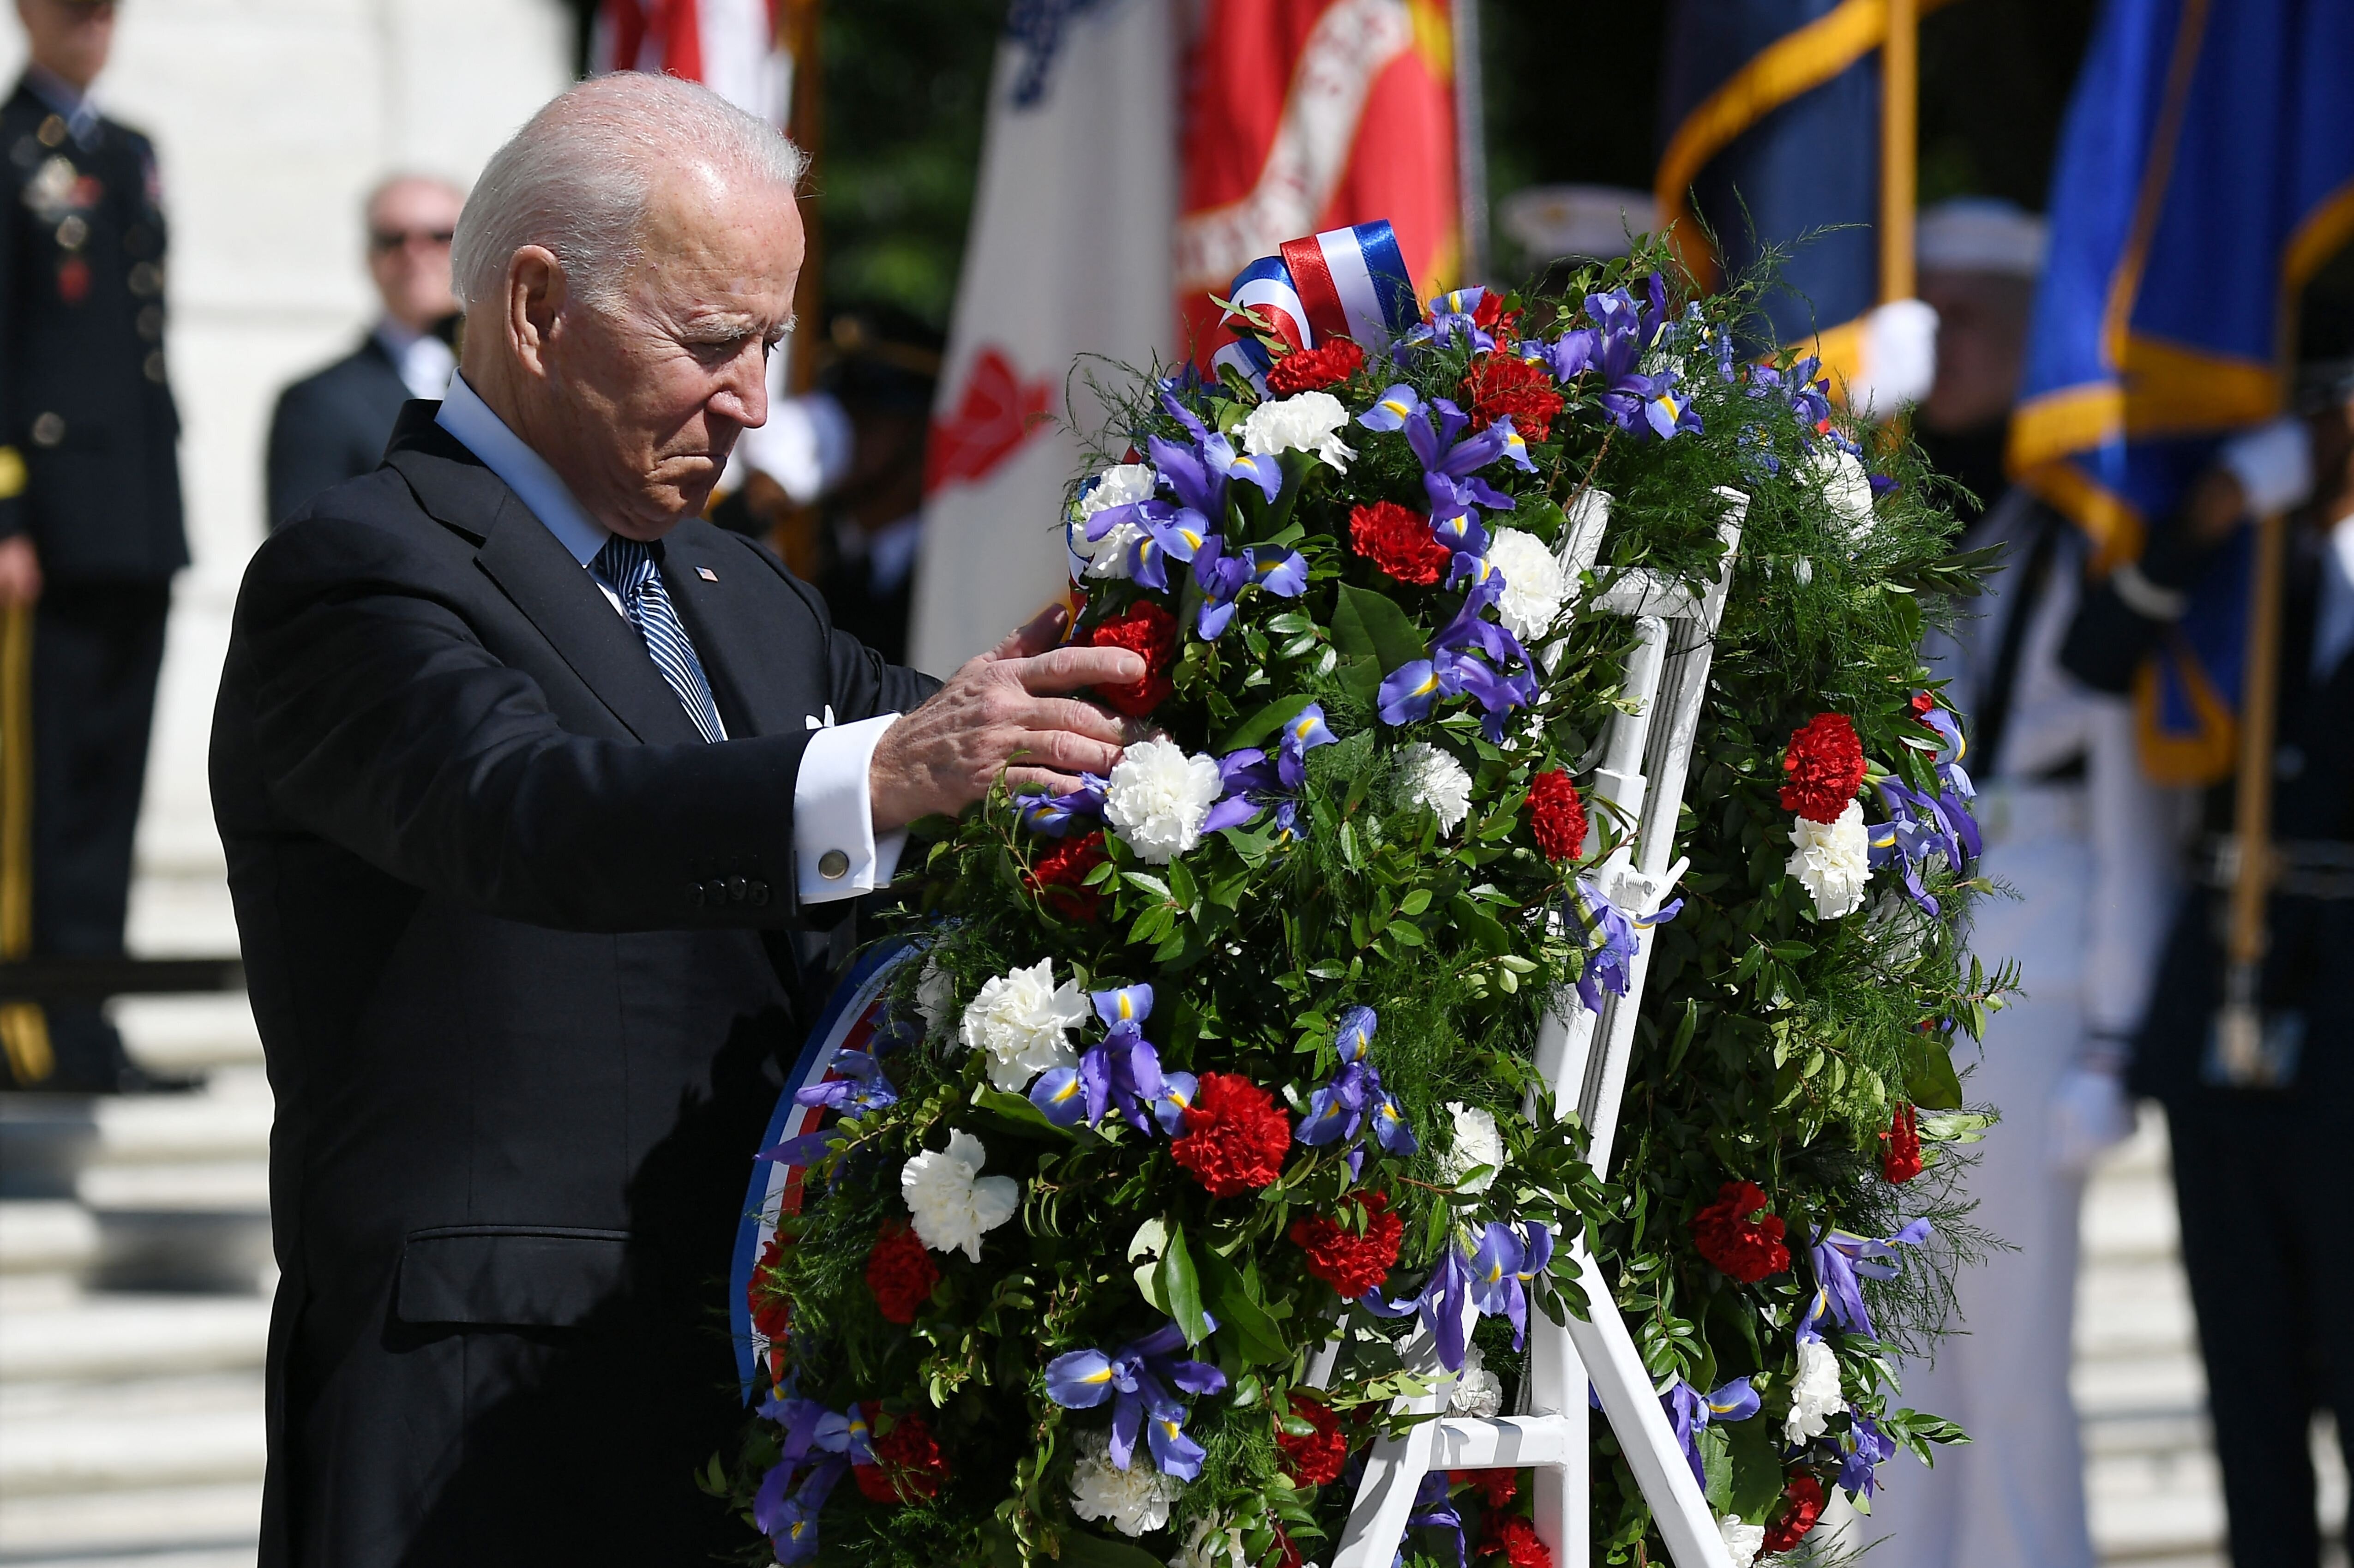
x,y
535,300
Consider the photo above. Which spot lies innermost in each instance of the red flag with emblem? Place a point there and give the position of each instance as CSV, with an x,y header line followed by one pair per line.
x,y
728,46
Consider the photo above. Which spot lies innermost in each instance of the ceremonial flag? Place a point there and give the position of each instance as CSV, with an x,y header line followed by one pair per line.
x,y
1772,112
1303,116
1069,257
2206,173
729,46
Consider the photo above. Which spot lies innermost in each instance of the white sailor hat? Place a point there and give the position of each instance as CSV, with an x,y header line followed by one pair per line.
x,y
1979,234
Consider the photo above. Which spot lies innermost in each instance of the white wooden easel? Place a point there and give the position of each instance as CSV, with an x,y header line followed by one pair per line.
x,y
1642,774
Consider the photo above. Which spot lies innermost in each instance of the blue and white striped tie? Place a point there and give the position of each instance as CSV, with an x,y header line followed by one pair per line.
x,y
628,566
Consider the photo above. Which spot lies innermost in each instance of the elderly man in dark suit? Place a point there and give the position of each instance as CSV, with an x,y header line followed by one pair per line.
x,y
332,425
526,775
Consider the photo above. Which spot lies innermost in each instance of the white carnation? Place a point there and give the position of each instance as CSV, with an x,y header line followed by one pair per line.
x,y
1813,1394
1119,485
1478,1393
1832,860
1158,797
1210,1545
935,998
1847,487
1429,777
1477,1143
1023,1020
1534,586
1307,422
1743,1542
953,1202
1135,1500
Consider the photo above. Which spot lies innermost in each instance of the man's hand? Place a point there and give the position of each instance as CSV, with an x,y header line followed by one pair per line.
x,y
20,572
1002,713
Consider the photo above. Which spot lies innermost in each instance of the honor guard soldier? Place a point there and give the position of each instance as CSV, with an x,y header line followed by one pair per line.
x,y
90,522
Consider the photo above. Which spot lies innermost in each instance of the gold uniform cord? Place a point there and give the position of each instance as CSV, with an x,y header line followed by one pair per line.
x,y
23,1031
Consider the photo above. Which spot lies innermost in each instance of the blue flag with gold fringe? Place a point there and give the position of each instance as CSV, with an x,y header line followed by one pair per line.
x,y
1771,112
2206,172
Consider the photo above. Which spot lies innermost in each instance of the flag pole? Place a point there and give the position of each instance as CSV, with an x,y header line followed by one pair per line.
x,y
1471,144
797,25
2241,1043
1900,119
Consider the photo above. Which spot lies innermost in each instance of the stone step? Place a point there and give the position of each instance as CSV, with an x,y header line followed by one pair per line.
x,y
211,1526
127,1336
182,1034
133,1446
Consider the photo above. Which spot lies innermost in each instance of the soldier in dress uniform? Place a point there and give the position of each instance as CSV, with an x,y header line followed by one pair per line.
x,y
90,500
2259,1144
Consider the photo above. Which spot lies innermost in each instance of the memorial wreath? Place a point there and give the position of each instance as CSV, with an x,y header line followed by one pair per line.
x,y
1176,1101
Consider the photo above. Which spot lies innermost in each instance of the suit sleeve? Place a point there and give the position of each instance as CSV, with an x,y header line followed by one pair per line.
x,y
369,713
306,451
861,682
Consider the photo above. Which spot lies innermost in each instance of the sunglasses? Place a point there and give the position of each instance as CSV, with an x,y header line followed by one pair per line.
x,y
390,240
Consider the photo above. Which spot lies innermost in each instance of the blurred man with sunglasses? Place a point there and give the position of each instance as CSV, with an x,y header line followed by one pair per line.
x,y
90,509
332,425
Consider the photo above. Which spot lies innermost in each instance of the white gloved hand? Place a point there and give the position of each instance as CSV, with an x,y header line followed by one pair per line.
x,y
2273,465
1900,359
2091,1113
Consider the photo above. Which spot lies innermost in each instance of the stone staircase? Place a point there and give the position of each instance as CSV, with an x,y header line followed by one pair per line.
x,y
135,1278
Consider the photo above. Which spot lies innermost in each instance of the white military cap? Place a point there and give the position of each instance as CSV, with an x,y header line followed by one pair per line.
x,y
1979,234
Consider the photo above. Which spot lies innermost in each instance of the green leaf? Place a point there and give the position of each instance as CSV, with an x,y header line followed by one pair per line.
x,y
1181,1286
1929,1077
1757,1477
1228,1297
1371,625
1026,1117
1416,901
1266,721
1958,1129
1361,678
1082,1551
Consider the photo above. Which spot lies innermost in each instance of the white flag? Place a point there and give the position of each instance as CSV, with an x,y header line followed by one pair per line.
x,y
1069,255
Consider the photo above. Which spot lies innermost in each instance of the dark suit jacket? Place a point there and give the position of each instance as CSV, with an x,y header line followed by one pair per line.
x,y
89,460
513,934
331,426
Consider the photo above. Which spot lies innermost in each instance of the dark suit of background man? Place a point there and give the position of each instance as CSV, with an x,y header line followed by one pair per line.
x,y
90,491
518,767
332,425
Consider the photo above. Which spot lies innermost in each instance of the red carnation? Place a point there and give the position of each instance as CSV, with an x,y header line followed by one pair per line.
x,y
1490,316
1061,873
900,1271
1748,1249
1516,1537
1557,815
907,1461
1802,1505
1234,1136
1142,628
1313,369
772,1310
1349,1263
1501,383
1901,1161
1924,705
1287,1554
1399,541
1825,765
1316,1459
1497,1488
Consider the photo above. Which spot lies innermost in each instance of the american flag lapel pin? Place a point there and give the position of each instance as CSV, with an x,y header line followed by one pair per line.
x,y
706,574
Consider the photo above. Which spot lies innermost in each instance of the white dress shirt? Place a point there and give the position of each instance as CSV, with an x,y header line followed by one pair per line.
x,y
833,813
424,362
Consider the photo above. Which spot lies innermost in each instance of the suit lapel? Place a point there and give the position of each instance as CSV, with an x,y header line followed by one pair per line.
x,y
539,576
732,630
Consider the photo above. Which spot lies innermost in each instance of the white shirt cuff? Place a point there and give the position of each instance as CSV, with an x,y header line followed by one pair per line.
x,y
835,852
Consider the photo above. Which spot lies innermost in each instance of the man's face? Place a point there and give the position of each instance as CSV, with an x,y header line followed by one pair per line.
x,y
411,225
1981,345
69,38
650,392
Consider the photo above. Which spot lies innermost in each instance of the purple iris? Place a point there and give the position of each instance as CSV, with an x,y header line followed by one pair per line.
x,y
1338,1111
1610,930
1808,399
1504,1270
1251,780
785,1513
1861,1452
1056,815
854,1085
1613,348
1223,577
1434,1510
1137,1378
1450,461
1452,316
1121,1072
1921,824
1194,473
1440,1304
1691,1411
1466,660
1841,1261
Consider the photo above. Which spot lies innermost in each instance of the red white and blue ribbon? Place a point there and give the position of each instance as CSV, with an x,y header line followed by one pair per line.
x,y
852,1016
1344,282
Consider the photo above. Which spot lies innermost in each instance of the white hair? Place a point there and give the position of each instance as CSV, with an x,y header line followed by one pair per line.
x,y
578,177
